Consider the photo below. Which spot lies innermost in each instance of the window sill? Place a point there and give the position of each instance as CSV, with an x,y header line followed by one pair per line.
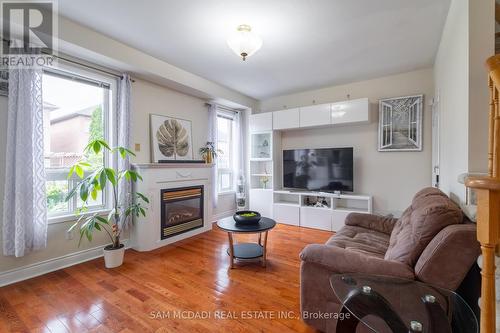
x,y
74,217
226,193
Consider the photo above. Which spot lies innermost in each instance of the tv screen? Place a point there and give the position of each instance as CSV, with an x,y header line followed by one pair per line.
x,y
325,169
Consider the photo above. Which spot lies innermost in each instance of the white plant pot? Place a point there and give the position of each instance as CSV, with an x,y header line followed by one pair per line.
x,y
114,257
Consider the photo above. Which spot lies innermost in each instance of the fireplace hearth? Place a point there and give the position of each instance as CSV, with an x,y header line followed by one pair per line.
x,y
181,210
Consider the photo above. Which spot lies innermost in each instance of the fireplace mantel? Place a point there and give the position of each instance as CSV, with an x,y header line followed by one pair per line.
x,y
145,234
141,166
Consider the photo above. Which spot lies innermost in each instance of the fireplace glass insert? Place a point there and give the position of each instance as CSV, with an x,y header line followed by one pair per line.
x,y
181,210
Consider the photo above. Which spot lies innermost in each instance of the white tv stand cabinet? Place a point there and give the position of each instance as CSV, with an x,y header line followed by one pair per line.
x,y
291,207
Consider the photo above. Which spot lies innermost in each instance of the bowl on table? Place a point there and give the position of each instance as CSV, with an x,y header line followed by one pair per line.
x,y
247,217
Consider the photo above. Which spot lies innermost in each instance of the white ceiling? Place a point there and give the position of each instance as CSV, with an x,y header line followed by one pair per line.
x,y
307,43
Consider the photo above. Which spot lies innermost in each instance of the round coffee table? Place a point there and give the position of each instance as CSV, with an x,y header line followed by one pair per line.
x,y
247,251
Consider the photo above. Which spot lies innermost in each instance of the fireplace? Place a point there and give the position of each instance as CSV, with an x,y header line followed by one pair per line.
x,y
181,210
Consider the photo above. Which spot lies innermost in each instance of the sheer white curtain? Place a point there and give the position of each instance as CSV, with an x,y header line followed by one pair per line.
x,y
24,205
212,137
123,118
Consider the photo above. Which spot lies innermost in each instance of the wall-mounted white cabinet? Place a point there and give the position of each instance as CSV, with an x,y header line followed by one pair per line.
x,y
351,112
286,119
315,115
261,122
355,111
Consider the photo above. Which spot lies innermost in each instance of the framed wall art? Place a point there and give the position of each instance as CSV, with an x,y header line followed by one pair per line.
x,y
400,123
171,138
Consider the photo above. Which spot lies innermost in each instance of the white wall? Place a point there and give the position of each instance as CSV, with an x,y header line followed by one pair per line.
x,y
462,92
451,81
481,47
391,177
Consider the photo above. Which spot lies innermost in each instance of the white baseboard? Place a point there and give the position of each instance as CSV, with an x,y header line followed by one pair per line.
x,y
50,265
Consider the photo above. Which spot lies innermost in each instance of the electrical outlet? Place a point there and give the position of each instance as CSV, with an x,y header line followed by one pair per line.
x,y
137,147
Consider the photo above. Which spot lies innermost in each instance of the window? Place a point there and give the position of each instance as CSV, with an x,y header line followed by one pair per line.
x,y
225,158
76,110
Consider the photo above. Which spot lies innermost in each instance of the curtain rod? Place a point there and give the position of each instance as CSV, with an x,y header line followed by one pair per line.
x,y
89,66
225,108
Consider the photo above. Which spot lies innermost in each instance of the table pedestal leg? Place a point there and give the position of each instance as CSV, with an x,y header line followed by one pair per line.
x,y
264,249
231,249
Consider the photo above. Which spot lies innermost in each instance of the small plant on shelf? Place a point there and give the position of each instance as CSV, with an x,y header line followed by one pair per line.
x,y
264,180
209,152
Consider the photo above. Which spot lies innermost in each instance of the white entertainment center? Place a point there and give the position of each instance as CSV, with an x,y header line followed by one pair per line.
x,y
320,210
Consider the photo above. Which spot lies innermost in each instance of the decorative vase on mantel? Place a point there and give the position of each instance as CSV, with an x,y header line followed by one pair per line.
x,y
209,152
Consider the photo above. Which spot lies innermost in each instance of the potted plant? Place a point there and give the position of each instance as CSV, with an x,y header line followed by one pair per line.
x,y
209,152
96,181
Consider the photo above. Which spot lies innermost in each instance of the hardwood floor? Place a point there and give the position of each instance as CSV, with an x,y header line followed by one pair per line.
x,y
185,287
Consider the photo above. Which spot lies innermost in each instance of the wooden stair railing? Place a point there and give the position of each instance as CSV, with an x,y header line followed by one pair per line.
x,y
488,202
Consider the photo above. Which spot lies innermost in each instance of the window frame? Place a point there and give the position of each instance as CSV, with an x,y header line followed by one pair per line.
x,y
75,72
220,171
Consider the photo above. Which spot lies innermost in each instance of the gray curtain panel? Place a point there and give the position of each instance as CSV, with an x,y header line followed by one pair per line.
x,y
25,207
123,118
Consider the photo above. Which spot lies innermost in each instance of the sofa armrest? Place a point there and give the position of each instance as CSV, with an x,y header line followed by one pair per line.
x,y
449,256
339,260
378,223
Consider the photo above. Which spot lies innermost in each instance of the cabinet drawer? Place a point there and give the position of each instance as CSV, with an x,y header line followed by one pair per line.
x,y
315,115
261,200
286,214
351,112
318,218
261,122
286,119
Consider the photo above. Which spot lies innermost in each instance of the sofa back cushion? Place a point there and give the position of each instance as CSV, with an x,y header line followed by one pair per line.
x,y
431,210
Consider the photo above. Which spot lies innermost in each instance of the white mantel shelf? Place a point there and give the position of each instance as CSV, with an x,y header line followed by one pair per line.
x,y
171,165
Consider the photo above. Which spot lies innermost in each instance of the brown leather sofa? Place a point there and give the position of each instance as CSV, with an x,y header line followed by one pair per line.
x,y
432,242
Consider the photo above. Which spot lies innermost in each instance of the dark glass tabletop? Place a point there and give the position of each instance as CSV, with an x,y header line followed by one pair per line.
x,y
230,225
414,304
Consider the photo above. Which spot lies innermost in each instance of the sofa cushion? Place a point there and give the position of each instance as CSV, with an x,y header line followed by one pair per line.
x,y
359,239
430,211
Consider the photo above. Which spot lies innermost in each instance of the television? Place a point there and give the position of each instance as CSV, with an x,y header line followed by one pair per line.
x,y
324,169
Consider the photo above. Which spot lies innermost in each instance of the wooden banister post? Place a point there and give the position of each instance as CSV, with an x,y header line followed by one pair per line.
x,y
488,202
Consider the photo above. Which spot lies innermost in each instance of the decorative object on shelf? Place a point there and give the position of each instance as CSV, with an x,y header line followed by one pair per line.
x,y
244,42
209,152
264,180
95,180
247,217
400,123
241,201
261,147
171,138
4,82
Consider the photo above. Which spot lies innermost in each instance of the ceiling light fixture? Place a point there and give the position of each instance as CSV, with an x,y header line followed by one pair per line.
x,y
244,42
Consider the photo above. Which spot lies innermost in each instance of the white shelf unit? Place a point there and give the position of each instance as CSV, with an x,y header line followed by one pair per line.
x,y
296,208
259,171
264,157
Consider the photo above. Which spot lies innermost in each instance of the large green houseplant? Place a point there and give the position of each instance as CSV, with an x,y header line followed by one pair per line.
x,y
96,179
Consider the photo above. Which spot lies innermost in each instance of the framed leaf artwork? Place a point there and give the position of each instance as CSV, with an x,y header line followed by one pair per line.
x,y
171,138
